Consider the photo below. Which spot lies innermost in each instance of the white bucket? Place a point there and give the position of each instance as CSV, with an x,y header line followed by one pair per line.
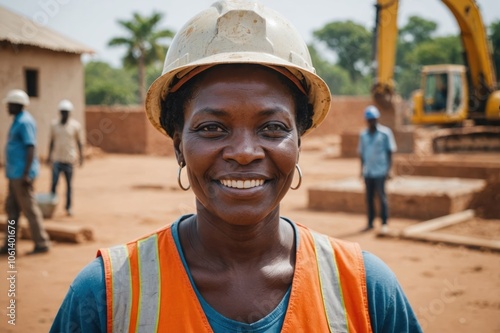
x,y
47,203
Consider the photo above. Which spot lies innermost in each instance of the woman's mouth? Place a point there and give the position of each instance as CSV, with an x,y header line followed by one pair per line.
x,y
242,184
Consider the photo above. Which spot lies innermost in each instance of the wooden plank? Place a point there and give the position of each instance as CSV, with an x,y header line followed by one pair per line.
x,y
57,232
439,223
472,242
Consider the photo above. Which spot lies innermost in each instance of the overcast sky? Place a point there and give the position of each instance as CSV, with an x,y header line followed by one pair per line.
x,y
93,22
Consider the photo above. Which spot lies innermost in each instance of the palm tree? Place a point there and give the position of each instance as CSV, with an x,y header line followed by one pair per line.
x,y
143,47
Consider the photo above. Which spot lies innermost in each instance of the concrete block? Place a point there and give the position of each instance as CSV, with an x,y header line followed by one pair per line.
x,y
349,144
457,166
409,197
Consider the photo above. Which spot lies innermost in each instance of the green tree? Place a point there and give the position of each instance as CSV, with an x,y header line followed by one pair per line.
x,y
143,45
351,43
330,73
105,85
495,41
337,78
417,30
153,71
440,50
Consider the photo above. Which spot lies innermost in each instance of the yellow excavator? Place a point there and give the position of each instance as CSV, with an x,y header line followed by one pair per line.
x,y
450,95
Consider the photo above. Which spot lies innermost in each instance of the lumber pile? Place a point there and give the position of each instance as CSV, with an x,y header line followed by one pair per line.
x,y
57,231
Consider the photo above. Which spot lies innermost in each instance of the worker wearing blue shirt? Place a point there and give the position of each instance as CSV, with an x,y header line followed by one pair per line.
x,y
21,169
376,145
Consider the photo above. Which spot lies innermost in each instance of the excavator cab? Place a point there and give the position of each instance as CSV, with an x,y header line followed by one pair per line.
x,y
442,98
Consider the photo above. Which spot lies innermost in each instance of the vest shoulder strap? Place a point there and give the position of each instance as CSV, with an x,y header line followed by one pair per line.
x,y
141,315
342,280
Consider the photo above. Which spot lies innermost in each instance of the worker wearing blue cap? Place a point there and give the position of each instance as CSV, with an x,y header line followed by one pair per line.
x,y
376,145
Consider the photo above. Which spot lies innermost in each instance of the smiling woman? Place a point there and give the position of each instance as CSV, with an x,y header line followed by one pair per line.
x,y
237,93
236,132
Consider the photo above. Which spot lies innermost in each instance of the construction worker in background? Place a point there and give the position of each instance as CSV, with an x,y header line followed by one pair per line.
x,y
237,93
21,169
65,138
376,146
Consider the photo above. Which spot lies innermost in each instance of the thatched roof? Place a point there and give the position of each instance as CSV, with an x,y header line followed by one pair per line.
x,y
20,30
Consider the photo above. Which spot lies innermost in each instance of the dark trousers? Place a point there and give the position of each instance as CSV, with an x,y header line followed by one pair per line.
x,y
67,169
376,185
21,198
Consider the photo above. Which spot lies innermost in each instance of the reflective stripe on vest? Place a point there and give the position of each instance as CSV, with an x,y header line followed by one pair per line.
x,y
331,290
149,284
150,292
122,288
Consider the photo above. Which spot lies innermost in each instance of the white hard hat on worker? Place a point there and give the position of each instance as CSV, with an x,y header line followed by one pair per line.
x,y
231,32
65,105
17,96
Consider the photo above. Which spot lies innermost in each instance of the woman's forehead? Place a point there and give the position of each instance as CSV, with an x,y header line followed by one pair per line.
x,y
240,73
241,88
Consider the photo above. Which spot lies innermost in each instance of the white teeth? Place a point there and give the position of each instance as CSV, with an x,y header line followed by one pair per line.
x,y
242,184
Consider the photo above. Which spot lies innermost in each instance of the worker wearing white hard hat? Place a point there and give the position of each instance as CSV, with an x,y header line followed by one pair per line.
x,y
21,169
376,146
237,94
66,105
17,96
65,149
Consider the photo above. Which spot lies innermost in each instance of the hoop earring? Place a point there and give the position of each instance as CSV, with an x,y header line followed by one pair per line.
x,y
300,178
182,165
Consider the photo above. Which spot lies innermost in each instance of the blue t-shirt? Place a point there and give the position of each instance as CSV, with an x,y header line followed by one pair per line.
x,y
84,308
22,134
374,148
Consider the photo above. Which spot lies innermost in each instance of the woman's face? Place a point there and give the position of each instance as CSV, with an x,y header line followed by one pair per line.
x,y
239,142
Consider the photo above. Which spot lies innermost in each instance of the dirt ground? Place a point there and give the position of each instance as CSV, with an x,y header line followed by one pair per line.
x,y
452,289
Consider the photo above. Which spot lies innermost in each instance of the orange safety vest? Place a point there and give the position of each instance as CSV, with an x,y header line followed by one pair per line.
x,y
148,289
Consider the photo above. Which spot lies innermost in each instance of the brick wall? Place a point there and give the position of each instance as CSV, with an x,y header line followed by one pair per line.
x,y
346,114
124,129
158,144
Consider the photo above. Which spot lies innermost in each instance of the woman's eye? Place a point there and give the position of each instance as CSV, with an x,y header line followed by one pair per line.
x,y
275,130
274,127
211,128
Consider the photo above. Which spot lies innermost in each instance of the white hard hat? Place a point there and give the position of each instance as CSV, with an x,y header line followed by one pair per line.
x,y
230,32
65,105
17,96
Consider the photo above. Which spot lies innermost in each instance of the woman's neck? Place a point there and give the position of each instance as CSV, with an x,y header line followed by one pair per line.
x,y
229,245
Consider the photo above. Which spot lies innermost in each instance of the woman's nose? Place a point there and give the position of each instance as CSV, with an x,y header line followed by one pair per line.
x,y
244,148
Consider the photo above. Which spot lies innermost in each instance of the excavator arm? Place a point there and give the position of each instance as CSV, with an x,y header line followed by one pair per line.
x,y
384,45
474,40
481,81
481,71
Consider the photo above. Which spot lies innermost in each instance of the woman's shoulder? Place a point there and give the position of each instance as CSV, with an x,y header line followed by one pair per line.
x,y
389,308
378,274
91,277
84,307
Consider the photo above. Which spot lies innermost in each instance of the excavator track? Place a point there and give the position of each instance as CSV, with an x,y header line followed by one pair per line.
x,y
465,139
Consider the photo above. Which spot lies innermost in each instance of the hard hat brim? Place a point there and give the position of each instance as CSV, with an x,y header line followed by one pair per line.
x,y
318,91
